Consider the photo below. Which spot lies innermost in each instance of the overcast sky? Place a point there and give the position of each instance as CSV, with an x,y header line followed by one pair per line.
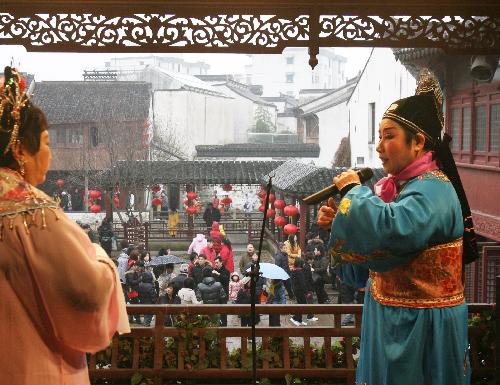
x,y
70,66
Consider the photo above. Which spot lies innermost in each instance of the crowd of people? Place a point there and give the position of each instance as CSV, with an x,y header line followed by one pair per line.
x,y
210,275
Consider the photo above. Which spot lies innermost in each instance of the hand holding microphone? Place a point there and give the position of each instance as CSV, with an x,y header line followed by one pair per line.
x,y
326,214
341,184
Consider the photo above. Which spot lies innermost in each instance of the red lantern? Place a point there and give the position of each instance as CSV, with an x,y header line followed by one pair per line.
x,y
156,188
117,201
290,229
186,202
272,198
280,221
227,201
94,194
270,213
291,210
95,208
227,187
191,210
191,195
262,208
262,194
156,201
60,182
279,204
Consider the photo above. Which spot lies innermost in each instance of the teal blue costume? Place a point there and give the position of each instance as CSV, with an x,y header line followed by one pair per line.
x,y
414,325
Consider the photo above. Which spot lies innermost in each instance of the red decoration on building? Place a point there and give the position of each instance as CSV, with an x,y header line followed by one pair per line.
x,y
262,194
226,201
94,194
191,195
156,188
227,187
117,201
60,182
280,221
186,202
291,210
191,210
95,208
156,201
272,198
279,204
262,208
290,229
270,213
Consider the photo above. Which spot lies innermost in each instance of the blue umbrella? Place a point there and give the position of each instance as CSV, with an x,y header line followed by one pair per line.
x,y
272,271
166,260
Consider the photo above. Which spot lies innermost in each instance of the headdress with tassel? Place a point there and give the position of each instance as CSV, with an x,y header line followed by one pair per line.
x,y
423,113
13,99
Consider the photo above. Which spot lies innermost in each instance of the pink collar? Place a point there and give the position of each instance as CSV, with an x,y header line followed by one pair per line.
x,y
386,188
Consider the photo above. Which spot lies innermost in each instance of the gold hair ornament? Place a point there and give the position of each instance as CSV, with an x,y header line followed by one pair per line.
x,y
427,82
13,93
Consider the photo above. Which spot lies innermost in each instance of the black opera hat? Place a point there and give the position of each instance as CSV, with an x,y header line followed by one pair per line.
x,y
421,112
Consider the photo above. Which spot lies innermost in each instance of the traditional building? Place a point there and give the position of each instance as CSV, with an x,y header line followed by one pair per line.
x,y
94,124
248,103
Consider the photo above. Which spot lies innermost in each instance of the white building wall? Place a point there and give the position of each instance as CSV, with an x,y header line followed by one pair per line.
x,y
194,118
286,124
271,71
383,81
333,126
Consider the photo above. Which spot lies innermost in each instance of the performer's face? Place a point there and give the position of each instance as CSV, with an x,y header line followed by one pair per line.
x,y
394,152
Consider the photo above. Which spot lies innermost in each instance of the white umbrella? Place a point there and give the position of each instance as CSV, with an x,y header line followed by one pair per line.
x,y
271,271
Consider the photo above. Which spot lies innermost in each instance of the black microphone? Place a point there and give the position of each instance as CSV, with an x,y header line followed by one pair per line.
x,y
364,175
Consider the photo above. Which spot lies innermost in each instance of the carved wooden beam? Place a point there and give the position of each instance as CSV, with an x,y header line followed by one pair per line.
x,y
249,26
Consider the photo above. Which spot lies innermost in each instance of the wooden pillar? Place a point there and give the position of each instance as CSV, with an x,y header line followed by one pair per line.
x,y
303,226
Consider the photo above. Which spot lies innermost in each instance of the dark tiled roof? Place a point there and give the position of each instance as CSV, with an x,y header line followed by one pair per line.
x,y
275,150
243,90
304,179
184,172
84,102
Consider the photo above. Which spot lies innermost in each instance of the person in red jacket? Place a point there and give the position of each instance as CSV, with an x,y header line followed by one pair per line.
x,y
216,236
209,251
226,253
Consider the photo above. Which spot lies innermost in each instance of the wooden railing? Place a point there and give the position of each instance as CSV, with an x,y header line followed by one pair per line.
x,y
160,231
160,352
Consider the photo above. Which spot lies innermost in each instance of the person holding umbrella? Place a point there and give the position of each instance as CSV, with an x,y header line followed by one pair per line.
x,y
276,292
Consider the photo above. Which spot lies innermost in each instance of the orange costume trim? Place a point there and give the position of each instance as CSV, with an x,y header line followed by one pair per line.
x,y
432,279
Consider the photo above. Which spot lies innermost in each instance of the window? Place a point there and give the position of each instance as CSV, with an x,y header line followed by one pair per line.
x,y
289,77
455,128
371,123
474,125
57,136
94,136
290,59
466,129
495,128
360,160
75,136
480,131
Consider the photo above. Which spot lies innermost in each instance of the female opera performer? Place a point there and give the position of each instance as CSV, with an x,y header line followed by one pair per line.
x,y
61,296
414,234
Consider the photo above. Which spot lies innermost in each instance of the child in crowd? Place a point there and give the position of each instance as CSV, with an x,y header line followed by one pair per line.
x,y
187,294
234,287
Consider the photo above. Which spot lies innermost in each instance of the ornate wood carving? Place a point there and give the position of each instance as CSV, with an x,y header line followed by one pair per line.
x,y
487,226
247,26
